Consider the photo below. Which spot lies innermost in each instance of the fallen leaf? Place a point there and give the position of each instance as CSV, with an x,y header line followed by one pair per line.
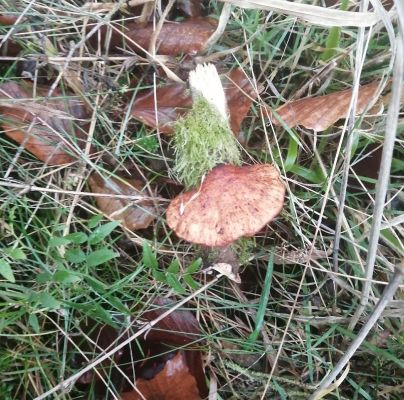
x,y
173,101
52,129
239,94
135,212
10,48
174,382
188,36
367,167
8,19
319,113
178,328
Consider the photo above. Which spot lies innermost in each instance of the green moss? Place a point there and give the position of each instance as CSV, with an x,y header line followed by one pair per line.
x,y
202,140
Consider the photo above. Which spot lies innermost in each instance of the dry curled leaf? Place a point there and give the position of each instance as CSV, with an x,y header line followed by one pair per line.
x,y
175,38
174,382
173,101
319,113
135,212
52,129
231,202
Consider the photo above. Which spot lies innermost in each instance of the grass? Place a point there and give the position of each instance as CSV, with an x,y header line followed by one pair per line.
x,y
72,265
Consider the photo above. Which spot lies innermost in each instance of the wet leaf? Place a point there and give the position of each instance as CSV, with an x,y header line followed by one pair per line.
x,y
53,130
178,328
174,382
173,101
135,212
188,36
321,112
101,336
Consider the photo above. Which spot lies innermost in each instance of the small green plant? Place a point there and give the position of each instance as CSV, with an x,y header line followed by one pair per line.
x,y
172,274
202,140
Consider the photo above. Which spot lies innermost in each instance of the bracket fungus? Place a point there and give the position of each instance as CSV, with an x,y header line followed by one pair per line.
x,y
232,202
226,201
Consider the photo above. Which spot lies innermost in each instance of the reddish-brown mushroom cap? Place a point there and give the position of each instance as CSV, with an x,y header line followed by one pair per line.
x,y
232,202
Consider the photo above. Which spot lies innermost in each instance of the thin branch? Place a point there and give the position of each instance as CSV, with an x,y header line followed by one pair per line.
x,y
217,34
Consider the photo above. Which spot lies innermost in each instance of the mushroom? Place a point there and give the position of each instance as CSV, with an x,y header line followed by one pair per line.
x,y
232,202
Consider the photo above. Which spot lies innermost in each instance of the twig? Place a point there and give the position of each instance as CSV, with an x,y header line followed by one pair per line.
x,y
217,34
156,33
381,305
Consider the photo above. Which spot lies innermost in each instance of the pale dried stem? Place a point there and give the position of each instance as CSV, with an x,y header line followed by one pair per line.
x,y
159,27
221,27
314,14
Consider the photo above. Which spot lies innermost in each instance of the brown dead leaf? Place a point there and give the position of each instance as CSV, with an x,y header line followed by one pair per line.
x,y
185,37
134,214
240,95
173,101
8,19
174,382
53,129
319,113
10,48
178,328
